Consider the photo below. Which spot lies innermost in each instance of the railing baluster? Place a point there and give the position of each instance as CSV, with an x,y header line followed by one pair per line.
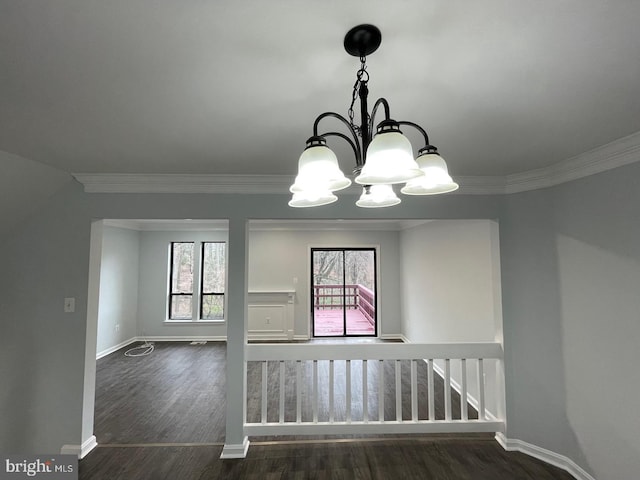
x,y
348,388
381,391
430,393
298,391
464,410
398,391
365,393
264,392
481,408
414,391
447,389
331,410
342,408
281,419
315,391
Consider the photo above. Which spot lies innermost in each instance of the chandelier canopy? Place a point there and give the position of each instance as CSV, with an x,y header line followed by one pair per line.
x,y
382,159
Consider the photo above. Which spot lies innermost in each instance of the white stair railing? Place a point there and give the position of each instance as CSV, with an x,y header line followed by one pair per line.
x,y
320,389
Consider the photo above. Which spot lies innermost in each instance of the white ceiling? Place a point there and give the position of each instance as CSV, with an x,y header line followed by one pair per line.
x,y
233,87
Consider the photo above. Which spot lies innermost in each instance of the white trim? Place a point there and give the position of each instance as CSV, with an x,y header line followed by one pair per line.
x,y
547,456
182,323
393,336
183,338
618,153
371,427
182,183
301,338
162,338
623,151
257,352
80,451
110,350
235,450
167,225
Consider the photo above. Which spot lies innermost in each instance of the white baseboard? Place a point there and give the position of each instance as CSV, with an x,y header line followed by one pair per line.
x,y
80,451
109,350
301,338
393,336
183,338
547,456
235,450
161,338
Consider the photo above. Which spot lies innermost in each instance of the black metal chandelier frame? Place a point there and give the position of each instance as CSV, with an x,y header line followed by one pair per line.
x,y
361,41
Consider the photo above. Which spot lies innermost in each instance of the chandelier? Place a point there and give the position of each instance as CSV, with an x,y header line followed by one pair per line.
x,y
382,160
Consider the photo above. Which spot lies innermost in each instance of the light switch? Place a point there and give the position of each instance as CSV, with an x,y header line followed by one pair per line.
x,y
69,305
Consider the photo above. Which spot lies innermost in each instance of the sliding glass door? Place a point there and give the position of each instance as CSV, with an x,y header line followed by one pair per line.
x,y
343,292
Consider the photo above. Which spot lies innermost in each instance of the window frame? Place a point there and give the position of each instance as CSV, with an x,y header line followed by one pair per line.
x,y
202,293
197,294
375,249
171,293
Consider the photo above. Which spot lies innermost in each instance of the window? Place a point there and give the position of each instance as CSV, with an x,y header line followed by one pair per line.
x,y
213,281
208,272
181,289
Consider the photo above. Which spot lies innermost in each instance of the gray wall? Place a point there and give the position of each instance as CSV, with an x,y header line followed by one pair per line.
x,y
276,257
571,296
41,347
559,246
449,290
447,282
154,270
118,304
598,253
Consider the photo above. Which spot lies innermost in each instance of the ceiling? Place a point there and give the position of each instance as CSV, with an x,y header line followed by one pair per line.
x,y
233,87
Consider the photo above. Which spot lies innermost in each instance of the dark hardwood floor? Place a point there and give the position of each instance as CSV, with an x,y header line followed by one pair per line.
x,y
175,395
163,416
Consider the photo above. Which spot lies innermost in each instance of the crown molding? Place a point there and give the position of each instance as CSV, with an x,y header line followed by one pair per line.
x,y
618,153
163,225
612,155
182,183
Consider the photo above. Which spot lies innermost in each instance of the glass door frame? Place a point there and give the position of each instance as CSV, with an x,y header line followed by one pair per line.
x,y
345,334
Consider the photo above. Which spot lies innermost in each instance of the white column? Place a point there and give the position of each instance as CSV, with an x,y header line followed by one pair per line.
x,y
88,442
236,442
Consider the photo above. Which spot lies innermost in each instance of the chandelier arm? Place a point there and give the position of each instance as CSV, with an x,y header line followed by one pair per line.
x,y
385,104
355,143
354,146
419,128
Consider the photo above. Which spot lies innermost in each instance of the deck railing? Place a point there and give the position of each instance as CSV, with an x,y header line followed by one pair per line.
x,y
351,296
367,388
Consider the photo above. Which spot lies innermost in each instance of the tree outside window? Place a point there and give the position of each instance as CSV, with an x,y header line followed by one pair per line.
x,y
183,275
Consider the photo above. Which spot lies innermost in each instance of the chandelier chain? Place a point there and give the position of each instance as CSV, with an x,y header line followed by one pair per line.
x,y
361,76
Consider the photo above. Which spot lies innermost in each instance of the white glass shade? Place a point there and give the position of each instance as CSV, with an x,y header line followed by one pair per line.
x,y
378,196
435,180
312,198
389,160
318,170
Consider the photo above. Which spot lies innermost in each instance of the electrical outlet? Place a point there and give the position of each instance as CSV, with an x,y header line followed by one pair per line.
x,y
117,327
69,305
